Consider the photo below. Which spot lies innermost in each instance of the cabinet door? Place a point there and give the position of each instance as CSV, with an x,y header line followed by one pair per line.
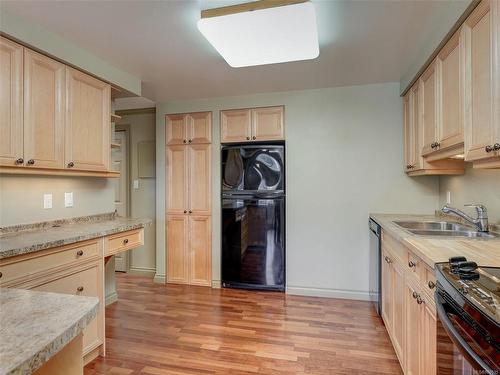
x,y
477,63
387,291
200,259
88,122
267,124
87,282
199,179
43,111
176,129
450,126
408,137
11,102
398,303
235,126
199,127
177,179
428,86
177,249
429,343
413,332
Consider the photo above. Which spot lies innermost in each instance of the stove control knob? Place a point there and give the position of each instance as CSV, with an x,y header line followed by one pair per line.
x,y
466,267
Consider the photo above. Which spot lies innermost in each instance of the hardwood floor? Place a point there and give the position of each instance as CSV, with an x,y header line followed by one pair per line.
x,y
169,329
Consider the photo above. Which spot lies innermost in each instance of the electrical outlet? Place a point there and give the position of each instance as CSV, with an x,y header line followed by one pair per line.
x,y
47,201
68,199
136,184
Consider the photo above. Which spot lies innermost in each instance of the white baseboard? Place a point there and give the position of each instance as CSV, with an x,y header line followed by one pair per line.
x,y
111,298
216,284
328,293
142,271
160,279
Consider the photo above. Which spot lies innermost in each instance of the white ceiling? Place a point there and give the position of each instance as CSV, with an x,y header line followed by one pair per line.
x,y
361,42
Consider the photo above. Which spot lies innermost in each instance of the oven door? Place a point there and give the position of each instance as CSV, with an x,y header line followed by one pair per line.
x,y
460,349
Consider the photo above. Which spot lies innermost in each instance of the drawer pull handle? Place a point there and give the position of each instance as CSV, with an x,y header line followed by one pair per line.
x,y
431,284
411,264
125,241
80,289
79,253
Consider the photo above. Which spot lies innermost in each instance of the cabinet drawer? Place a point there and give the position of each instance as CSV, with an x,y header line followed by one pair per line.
x,y
19,268
394,248
83,282
414,265
124,241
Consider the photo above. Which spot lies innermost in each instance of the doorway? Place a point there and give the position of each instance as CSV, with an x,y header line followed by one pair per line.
x,y
120,160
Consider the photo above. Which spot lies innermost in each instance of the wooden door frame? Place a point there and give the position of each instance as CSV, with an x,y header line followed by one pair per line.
x,y
126,129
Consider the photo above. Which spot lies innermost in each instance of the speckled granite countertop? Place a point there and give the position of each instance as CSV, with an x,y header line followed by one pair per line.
x,y
434,250
23,239
34,326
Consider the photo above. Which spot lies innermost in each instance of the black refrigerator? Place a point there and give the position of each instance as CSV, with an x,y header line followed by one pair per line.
x,y
253,216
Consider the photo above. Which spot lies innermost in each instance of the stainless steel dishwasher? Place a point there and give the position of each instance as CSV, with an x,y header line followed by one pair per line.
x,y
375,288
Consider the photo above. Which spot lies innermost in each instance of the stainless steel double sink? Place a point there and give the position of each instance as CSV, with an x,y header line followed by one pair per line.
x,y
444,229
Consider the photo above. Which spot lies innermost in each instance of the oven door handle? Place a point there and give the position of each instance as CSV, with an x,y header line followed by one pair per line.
x,y
458,340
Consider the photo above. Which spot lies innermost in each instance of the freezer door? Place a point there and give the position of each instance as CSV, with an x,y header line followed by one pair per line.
x,y
253,246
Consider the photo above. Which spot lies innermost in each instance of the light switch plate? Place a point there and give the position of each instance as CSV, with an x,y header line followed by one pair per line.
x,y
68,199
47,201
136,184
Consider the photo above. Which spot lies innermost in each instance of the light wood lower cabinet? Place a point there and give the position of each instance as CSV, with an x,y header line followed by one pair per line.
x,y
189,256
408,308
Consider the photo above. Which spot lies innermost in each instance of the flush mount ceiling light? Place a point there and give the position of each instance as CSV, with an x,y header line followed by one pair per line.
x,y
262,32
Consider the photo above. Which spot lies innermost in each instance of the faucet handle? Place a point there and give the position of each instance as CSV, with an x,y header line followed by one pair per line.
x,y
482,212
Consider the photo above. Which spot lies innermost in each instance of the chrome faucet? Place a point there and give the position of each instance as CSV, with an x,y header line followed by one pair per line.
x,y
481,222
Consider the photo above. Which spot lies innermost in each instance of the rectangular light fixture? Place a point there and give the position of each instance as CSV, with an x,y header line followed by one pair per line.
x,y
262,32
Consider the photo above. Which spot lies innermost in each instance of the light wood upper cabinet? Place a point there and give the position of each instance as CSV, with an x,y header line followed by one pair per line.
x,y
199,160
44,111
236,125
267,124
450,124
11,102
88,125
177,249
428,87
480,73
255,124
176,129
199,127
200,257
177,179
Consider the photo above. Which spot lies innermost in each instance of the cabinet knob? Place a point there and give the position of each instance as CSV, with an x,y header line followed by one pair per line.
x,y
190,141
433,144
488,148
388,260
414,295
496,146
184,141
125,241
248,138
80,289
411,264
254,137
20,161
79,253
190,211
419,300
185,211
437,144
71,164
31,162
431,284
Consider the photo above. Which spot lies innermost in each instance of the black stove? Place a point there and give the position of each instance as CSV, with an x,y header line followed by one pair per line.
x,y
468,307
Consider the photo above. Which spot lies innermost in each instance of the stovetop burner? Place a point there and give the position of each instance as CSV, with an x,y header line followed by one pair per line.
x,y
479,285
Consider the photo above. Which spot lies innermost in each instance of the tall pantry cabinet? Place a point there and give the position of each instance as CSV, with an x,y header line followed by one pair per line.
x,y
188,198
